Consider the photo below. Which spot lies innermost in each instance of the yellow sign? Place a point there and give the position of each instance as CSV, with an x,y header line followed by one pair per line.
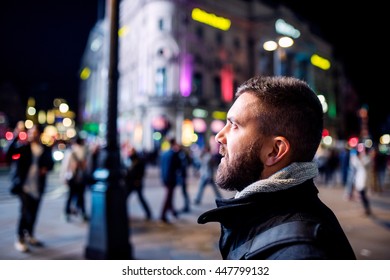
x,y
211,19
320,62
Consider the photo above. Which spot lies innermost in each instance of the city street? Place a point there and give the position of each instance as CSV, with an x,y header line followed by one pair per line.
x,y
183,238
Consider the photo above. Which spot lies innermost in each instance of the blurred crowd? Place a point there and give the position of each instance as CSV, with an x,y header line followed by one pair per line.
x,y
362,171
31,157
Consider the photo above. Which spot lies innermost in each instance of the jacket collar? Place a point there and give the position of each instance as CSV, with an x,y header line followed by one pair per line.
x,y
237,210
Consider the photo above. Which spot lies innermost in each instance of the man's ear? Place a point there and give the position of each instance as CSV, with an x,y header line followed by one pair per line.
x,y
278,150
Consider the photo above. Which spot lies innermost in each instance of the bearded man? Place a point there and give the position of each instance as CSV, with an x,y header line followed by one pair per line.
x,y
268,144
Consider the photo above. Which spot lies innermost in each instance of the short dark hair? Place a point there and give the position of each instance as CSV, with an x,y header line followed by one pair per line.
x,y
172,141
288,107
40,128
79,140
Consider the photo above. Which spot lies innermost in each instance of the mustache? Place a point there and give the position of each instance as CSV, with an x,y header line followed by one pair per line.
x,y
222,150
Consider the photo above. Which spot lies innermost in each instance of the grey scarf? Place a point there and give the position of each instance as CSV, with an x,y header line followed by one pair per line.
x,y
292,175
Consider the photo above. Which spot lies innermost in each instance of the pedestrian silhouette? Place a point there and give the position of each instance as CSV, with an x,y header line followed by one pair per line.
x,y
344,164
170,166
185,160
134,176
206,173
380,163
360,161
75,174
30,161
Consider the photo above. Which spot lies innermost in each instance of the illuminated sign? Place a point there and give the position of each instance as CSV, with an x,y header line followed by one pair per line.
x,y
200,125
187,133
227,83
284,28
320,62
216,126
85,73
199,113
211,19
219,115
186,75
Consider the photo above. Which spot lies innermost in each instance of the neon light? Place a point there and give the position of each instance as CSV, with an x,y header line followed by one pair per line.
x,y
187,133
186,75
219,115
22,135
227,83
199,113
320,62
123,31
353,142
200,125
285,28
9,135
211,19
16,156
85,73
216,125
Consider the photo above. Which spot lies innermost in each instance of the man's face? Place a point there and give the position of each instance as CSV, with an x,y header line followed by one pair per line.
x,y
240,146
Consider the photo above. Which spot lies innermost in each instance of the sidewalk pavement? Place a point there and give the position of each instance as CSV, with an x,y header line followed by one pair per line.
x,y
183,238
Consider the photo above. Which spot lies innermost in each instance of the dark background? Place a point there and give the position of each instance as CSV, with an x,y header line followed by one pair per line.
x,y
356,30
42,42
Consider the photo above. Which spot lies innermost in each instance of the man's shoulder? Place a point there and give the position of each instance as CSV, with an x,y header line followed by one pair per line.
x,y
285,234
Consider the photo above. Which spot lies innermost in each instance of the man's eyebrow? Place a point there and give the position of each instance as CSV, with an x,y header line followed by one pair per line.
x,y
232,120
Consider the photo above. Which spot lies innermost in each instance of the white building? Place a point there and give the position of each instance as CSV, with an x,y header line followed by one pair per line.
x,y
180,62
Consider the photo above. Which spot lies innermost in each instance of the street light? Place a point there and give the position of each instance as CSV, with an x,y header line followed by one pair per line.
x,y
279,52
109,225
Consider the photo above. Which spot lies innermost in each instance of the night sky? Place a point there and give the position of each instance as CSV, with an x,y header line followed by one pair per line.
x,y
42,42
356,30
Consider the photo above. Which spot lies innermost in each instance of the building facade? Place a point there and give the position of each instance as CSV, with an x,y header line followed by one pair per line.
x,y
180,62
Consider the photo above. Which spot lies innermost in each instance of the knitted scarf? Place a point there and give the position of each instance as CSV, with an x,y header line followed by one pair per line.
x,y
292,175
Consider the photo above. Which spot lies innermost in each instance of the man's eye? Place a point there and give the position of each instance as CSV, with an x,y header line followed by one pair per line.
x,y
233,125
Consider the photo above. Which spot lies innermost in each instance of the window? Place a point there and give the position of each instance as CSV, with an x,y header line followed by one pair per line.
x,y
198,59
217,87
237,43
219,38
197,86
161,82
199,32
287,64
161,24
302,69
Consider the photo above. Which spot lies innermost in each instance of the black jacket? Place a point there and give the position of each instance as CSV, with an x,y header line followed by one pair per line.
x,y
286,224
20,158
135,173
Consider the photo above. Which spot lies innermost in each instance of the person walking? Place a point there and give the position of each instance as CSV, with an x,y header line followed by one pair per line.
x,y
344,164
361,161
134,176
379,164
185,160
30,161
75,174
206,173
349,189
170,166
268,144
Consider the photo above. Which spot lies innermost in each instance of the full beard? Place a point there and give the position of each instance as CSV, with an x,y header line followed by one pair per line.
x,y
246,168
